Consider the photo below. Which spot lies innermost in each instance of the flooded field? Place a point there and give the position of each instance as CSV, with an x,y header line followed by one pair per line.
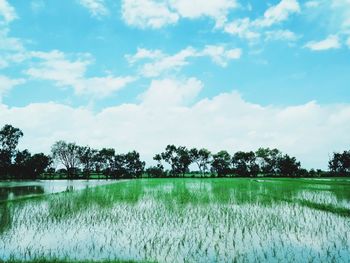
x,y
183,220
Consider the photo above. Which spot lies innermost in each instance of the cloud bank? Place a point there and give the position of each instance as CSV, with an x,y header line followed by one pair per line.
x,y
167,114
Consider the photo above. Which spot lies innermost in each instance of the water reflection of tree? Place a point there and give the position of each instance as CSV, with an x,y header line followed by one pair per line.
x,y
5,217
19,191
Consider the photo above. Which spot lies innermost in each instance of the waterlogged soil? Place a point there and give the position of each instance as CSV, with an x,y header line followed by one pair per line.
x,y
183,220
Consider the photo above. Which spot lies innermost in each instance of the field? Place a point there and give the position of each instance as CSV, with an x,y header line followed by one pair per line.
x,y
181,220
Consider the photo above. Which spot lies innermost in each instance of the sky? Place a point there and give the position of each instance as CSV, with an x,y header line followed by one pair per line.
x,y
141,74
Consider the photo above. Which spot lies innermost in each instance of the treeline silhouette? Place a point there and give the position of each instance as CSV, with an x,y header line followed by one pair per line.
x,y
84,162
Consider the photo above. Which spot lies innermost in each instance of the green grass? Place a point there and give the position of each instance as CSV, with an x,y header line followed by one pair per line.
x,y
176,220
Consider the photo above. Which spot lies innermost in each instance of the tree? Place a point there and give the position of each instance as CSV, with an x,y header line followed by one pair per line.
x,y
31,167
21,168
178,158
128,165
105,161
339,164
66,154
171,158
201,158
86,157
159,168
184,160
267,159
39,163
244,164
288,166
5,164
9,138
221,163
154,171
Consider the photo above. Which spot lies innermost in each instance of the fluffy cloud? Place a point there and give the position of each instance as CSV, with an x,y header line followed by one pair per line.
x,y
220,55
251,29
6,84
156,14
11,49
97,8
171,93
312,4
285,35
166,115
168,62
215,9
158,62
148,13
242,28
7,12
331,42
54,66
278,13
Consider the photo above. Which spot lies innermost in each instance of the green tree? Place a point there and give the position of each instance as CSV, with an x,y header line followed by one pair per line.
x,y
178,158
9,138
221,163
21,168
201,158
339,164
267,159
288,166
67,155
39,164
105,161
86,157
244,164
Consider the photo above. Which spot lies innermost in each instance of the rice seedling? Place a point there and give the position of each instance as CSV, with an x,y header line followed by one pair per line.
x,y
182,220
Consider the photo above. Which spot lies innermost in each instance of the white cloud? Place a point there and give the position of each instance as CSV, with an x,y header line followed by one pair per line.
x,y
242,28
167,63
312,4
216,9
148,13
331,42
166,115
6,84
284,35
143,53
340,15
157,14
159,62
171,93
54,66
220,55
7,11
11,49
253,29
278,13
97,8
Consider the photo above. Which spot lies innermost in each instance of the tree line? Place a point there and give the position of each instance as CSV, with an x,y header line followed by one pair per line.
x,y
72,161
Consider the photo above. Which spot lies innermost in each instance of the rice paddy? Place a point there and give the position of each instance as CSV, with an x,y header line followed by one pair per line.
x,y
182,220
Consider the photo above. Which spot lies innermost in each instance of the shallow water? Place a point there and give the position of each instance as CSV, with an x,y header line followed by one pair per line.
x,y
15,189
184,220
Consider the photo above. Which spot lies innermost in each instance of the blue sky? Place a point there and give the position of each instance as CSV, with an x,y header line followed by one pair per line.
x,y
131,57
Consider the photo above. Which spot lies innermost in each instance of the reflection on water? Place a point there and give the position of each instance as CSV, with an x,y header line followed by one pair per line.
x,y
13,190
183,220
